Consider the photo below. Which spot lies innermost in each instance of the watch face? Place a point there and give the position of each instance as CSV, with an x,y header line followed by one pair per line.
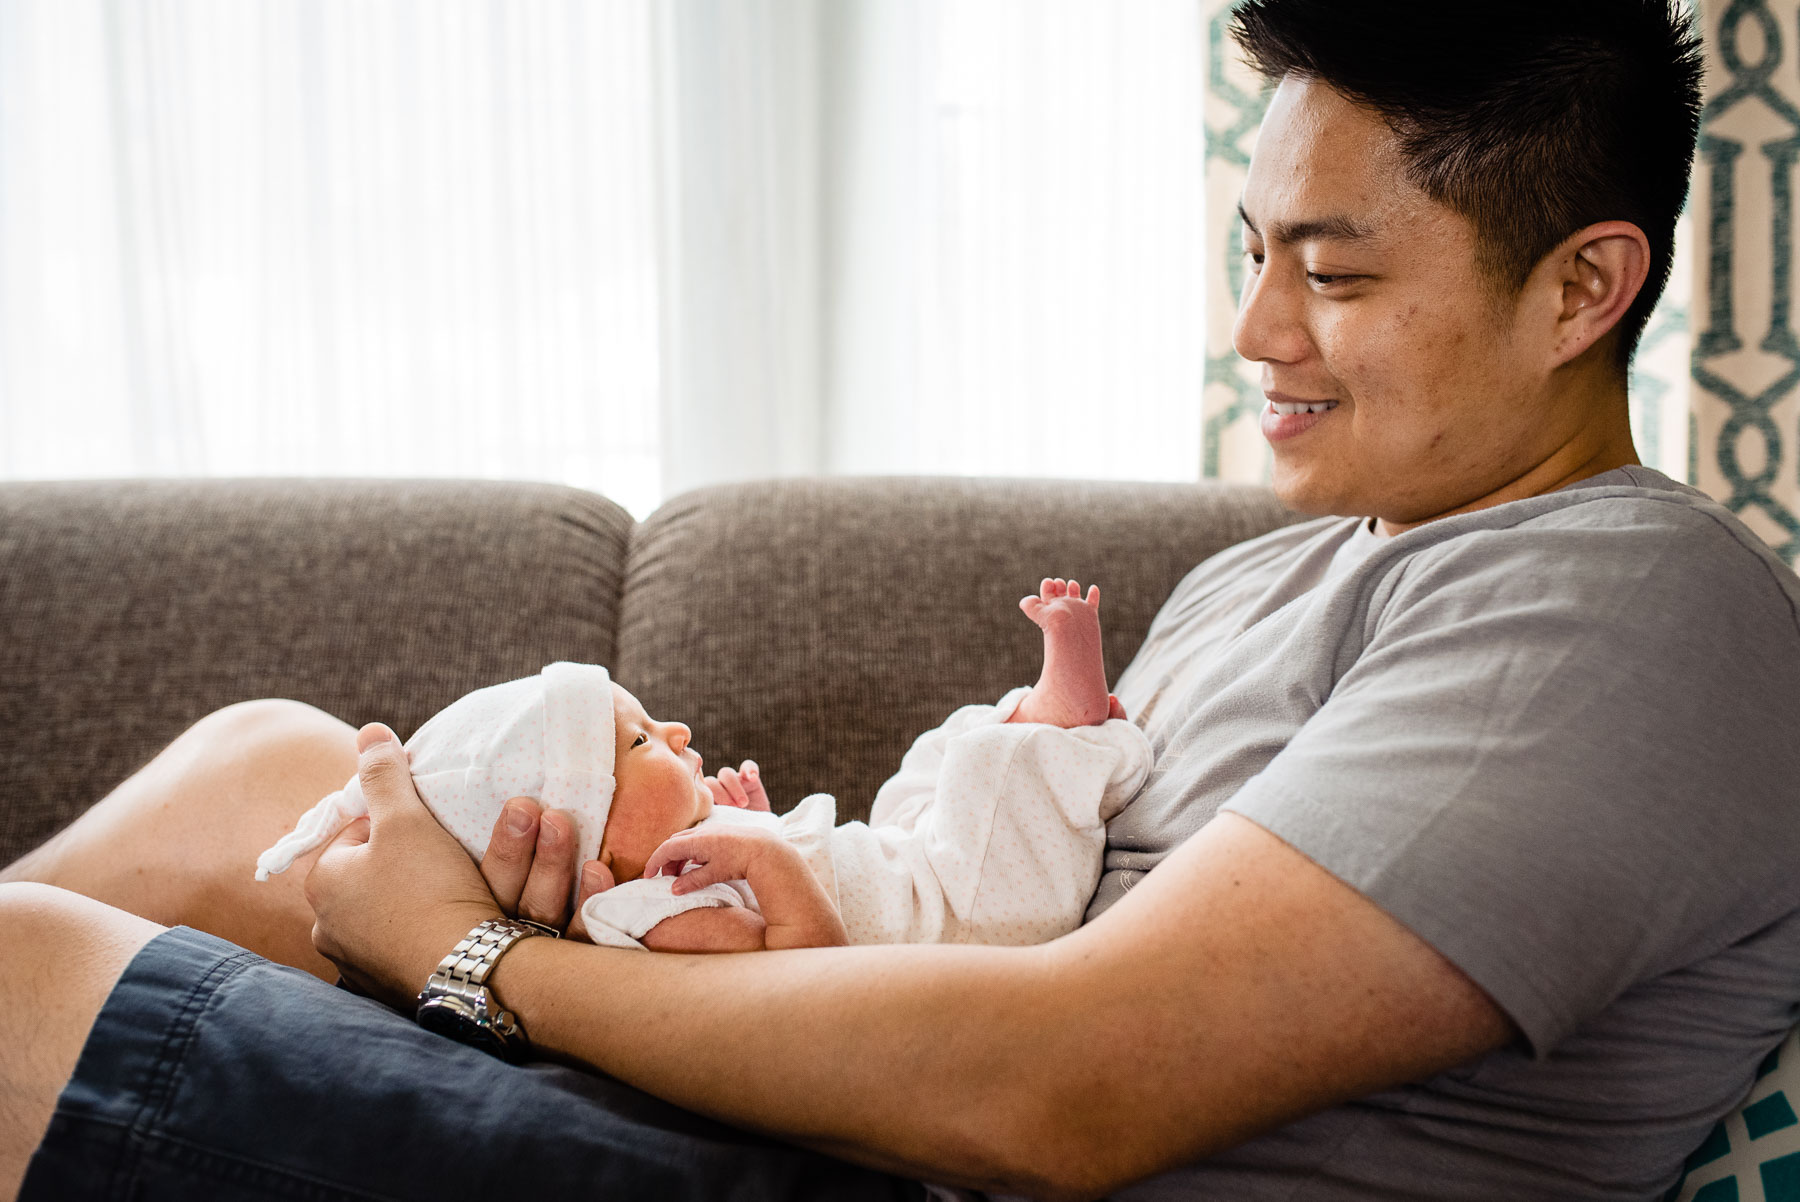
x,y
454,1019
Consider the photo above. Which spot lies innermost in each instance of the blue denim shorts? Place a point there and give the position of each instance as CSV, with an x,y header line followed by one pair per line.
x,y
213,1073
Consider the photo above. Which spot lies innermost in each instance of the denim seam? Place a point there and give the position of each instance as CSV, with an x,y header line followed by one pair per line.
x,y
159,1093
287,1180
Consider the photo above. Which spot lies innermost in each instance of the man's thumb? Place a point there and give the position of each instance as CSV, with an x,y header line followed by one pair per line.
x,y
380,766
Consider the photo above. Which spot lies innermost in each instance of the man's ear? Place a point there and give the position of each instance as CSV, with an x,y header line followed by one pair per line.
x,y
1600,270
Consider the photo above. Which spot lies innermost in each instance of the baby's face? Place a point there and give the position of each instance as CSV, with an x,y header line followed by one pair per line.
x,y
657,787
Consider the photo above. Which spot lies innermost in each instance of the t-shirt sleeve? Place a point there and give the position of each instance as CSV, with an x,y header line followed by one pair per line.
x,y
1567,757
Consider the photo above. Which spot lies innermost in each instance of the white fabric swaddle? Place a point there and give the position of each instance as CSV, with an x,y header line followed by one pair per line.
x,y
549,736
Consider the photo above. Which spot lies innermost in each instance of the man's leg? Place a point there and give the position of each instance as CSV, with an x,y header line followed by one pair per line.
x,y
60,958
177,842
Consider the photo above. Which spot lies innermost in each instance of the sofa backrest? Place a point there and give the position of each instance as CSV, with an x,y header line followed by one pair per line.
x,y
813,625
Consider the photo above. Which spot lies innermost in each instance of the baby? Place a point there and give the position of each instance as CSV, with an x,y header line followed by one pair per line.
x,y
991,832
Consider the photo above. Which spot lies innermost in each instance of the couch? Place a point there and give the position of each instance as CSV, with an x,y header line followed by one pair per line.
x,y
815,626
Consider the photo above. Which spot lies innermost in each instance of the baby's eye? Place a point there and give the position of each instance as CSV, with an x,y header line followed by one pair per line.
x,y
640,740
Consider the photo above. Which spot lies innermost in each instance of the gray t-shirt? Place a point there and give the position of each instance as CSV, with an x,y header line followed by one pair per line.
x,y
1557,739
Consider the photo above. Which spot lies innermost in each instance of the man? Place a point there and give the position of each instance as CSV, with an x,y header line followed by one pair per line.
x,y
1464,872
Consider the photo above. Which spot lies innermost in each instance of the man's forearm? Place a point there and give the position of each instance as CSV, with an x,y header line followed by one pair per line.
x,y
1236,988
920,1060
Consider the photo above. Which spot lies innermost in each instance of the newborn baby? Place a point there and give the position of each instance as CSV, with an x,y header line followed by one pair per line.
x,y
992,831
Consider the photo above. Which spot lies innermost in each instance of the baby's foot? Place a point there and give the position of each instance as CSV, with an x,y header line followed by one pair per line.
x,y
1072,689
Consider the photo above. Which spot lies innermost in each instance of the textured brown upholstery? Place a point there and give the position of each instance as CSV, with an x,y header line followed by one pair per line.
x,y
818,626
813,625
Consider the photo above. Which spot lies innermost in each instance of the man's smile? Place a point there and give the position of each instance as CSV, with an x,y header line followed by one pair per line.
x,y
1285,416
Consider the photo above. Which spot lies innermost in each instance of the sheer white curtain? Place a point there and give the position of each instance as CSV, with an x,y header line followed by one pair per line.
x,y
636,245
1014,262
317,237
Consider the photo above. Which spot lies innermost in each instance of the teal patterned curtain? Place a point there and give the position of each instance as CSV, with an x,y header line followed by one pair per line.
x,y
1715,389
1745,414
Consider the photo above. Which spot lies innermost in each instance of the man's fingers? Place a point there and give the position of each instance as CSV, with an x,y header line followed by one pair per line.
x,y
595,878
507,861
354,835
551,881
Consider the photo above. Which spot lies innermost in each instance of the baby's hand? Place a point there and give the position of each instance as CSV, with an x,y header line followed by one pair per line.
x,y
796,912
1072,689
739,788
719,853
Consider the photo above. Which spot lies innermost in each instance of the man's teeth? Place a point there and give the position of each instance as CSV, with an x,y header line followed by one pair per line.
x,y
1288,409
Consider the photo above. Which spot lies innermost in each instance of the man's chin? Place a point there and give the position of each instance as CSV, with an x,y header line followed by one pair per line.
x,y
1315,498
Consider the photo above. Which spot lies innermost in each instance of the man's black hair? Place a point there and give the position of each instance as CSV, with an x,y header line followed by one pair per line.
x,y
1531,118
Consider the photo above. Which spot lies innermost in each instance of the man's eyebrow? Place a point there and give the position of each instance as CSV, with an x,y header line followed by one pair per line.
x,y
1336,228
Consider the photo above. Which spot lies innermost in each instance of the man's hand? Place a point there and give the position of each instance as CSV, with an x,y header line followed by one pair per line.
x,y
530,862
394,891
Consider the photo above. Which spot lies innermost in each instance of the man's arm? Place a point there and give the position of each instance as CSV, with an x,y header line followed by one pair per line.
x,y
1237,987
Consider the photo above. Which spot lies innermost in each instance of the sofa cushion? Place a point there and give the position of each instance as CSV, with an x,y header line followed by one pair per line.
x,y
818,626
129,609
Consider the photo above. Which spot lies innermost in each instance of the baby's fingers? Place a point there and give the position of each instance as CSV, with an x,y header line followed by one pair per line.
x,y
753,787
676,850
734,788
707,874
1093,597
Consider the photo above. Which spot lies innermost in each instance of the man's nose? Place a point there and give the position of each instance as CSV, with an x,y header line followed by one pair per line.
x,y
1268,327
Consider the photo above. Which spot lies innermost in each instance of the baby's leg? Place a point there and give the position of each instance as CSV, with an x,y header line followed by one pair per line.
x,y
1072,690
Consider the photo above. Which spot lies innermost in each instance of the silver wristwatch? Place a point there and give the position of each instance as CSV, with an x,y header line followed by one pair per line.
x,y
456,1000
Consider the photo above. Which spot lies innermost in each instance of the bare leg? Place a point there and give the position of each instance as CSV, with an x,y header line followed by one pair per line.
x,y
52,984
177,843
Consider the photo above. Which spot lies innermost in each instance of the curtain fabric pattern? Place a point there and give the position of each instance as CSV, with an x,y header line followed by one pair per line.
x,y
1715,388
1745,355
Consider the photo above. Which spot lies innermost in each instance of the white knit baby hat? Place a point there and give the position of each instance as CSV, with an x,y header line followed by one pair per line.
x,y
548,736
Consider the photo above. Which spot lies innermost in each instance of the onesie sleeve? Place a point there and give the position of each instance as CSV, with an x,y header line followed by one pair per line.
x,y
624,914
1006,845
906,794
1565,757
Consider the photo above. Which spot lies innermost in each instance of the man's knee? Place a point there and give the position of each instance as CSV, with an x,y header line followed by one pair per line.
x,y
274,737
65,939
270,722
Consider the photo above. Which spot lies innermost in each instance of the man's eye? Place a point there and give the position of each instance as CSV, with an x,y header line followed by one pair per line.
x,y
640,740
1327,280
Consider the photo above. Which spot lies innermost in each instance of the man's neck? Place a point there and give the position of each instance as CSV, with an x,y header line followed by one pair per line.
x,y
1604,444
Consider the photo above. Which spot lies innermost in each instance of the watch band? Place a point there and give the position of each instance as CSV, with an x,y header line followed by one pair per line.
x,y
459,986
472,960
